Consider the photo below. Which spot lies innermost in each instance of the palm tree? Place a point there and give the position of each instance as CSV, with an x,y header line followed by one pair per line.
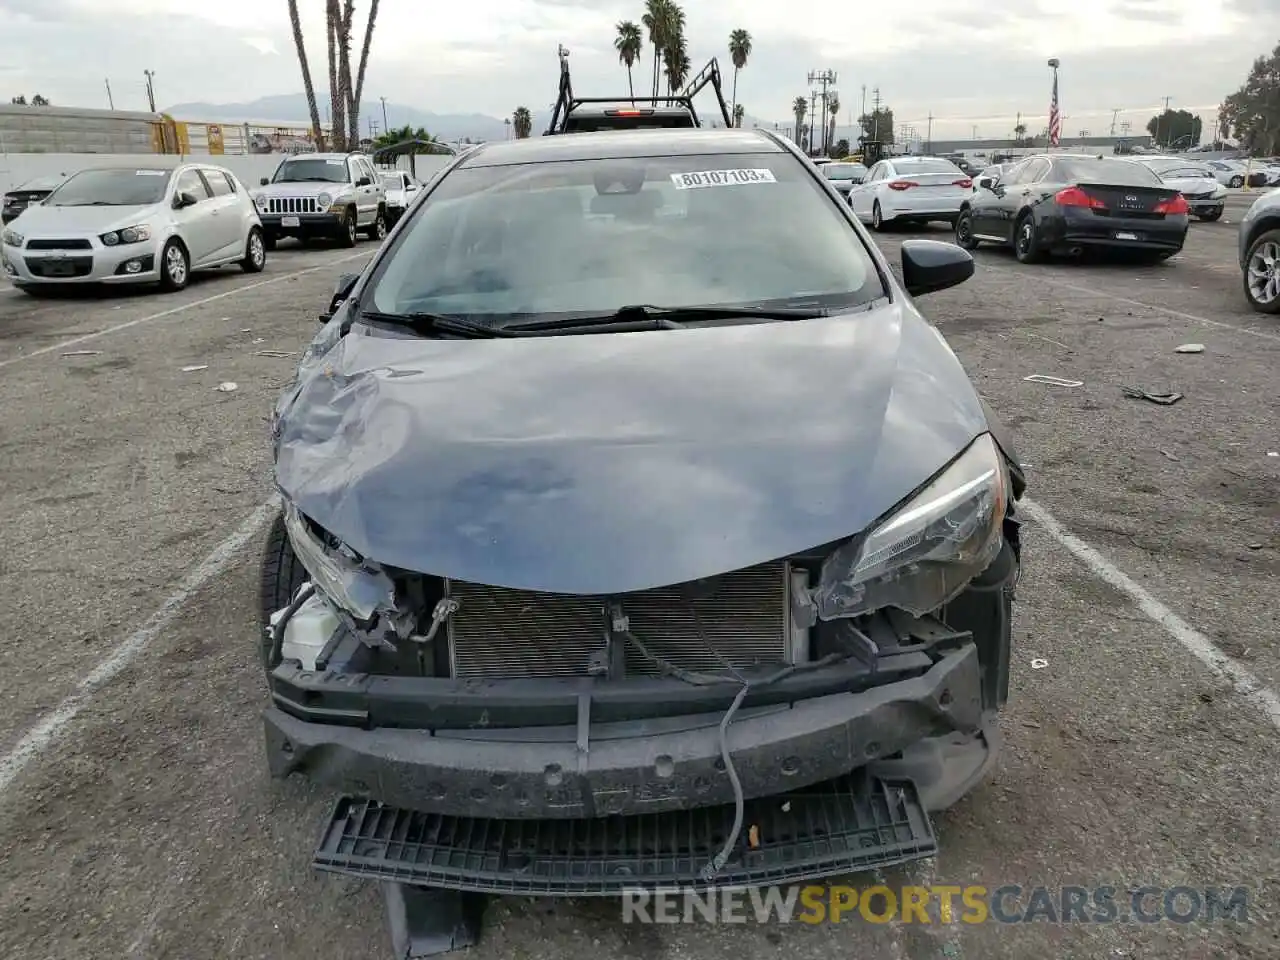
x,y
657,20
675,53
344,73
337,112
833,108
316,133
522,120
353,101
799,107
739,50
739,111
628,44
1019,132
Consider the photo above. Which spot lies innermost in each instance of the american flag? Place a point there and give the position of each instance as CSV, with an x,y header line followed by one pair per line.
x,y
1055,118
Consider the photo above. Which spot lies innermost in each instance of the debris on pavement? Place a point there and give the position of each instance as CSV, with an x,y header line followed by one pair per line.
x,y
258,340
1169,456
1053,381
1273,453
82,353
193,369
1190,348
1039,664
1036,336
228,387
284,354
1164,399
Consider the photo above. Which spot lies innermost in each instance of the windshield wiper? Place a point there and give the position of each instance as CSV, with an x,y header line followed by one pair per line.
x,y
437,323
646,315
90,203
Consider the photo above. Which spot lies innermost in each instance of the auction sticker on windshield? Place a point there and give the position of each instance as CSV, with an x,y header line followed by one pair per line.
x,y
721,178
151,173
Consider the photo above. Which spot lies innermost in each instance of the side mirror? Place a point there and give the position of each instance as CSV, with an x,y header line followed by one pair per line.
x,y
364,182
986,183
341,291
183,200
263,182
931,265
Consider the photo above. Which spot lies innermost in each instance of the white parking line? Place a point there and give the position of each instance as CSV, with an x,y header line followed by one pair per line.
x,y
1194,318
1249,687
172,311
46,731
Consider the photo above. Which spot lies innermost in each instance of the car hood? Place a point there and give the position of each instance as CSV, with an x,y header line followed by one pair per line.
x,y
49,222
303,188
615,462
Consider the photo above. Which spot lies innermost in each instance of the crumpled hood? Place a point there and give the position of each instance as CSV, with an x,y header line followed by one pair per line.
x,y
69,222
616,462
1194,185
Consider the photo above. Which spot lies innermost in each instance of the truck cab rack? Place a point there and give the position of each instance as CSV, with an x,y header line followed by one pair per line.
x,y
573,114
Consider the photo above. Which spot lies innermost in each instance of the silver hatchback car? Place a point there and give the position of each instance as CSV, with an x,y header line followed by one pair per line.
x,y
136,224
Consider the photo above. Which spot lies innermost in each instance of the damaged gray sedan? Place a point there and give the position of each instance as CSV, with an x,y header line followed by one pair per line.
x,y
638,531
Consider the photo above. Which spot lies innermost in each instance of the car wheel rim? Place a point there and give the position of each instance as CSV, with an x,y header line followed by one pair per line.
x,y
351,228
177,265
381,230
1024,238
962,229
257,253
1264,273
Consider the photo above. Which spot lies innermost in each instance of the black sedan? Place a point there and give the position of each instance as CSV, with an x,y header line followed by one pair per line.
x,y
25,194
1063,203
627,493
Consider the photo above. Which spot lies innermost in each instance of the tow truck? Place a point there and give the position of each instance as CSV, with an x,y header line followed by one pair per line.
x,y
574,114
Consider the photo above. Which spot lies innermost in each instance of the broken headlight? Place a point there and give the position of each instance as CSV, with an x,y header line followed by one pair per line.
x,y
924,553
350,584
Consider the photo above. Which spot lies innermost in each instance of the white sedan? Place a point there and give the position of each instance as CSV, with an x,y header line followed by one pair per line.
x,y
136,224
1205,195
402,189
911,190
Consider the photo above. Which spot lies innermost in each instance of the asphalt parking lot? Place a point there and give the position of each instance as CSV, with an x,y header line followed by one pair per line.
x,y
136,816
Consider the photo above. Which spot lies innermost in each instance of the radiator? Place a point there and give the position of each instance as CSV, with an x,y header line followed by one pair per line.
x,y
292,205
744,616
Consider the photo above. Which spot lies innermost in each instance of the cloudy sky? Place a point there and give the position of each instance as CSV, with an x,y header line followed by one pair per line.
x,y
969,63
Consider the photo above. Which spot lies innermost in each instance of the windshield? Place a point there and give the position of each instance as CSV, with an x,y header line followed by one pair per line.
x,y
584,238
1185,173
311,169
843,171
1120,173
905,166
116,188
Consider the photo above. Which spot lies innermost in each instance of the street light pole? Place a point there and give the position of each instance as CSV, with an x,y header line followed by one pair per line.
x,y
151,90
385,126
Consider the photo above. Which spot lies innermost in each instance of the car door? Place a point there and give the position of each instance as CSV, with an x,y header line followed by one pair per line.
x,y
224,214
373,193
863,195
197,226
411,188
997,213
362,190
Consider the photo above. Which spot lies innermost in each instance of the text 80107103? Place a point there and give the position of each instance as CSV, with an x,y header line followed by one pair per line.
x,y
721,178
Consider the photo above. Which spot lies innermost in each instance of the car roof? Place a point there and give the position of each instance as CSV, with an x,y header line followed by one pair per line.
x,y
618,144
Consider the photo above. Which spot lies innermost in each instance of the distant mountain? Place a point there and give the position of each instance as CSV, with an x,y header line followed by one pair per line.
x,y
291,109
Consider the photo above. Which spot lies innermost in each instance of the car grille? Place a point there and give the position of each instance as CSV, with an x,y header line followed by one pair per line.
x,y
78,244
1198,196
62,268
744,616
292,205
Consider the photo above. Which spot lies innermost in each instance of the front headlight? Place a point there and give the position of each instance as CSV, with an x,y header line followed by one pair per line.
x,y
261,203
135,234
356,587
324,201
13,238
926,552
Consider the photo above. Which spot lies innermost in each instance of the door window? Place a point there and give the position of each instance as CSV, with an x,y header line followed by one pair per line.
x,y
190,181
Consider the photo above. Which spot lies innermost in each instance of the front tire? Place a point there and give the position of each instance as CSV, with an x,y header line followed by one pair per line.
x,y
282,576
1026,245
255,253
964,231
1236,182
348,231
175,267
1262,273
877,222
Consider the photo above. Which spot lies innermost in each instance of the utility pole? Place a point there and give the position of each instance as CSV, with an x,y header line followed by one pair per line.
x,y
825,78
111,102
813,108
928,137
1160,118
151,90
1114,113
875,114
1017,137
385,125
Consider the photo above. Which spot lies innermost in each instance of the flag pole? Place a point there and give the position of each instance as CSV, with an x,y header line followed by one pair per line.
x,y
1055,117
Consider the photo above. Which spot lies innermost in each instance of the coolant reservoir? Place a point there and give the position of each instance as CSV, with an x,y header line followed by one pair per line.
x,y
308,630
